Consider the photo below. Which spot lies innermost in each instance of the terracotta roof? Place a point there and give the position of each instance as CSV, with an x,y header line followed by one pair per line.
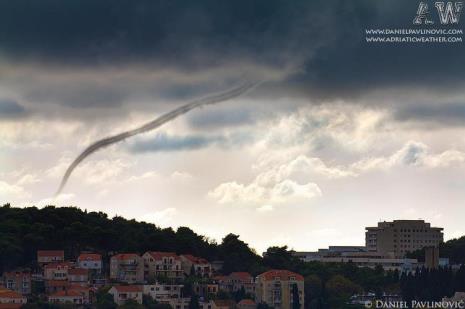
x,y
71,293
195,259
78,271
158,255
4,293
125,256
56,283
283,274
220,278
241,275
246,302
43,253
17,274
128,288
224,303
89,257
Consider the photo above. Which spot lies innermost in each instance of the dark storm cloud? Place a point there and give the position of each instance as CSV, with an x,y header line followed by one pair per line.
x,y
163,142
11,109
443,113
323,40
221,118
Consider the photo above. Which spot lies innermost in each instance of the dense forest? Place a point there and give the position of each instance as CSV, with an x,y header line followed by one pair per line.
x,y
25,230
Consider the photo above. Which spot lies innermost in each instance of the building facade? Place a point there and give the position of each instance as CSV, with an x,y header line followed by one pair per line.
x,y
123,293
50,256
399,237
162,264
127,267
200,266
275,288
18,281
91,261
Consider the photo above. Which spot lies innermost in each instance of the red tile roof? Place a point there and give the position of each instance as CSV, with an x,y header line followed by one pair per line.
x,y
283,274
56,283
4,293
57,265
71,293
246,302
10,306
17,274
89,257
195,259
158,255
50,253
125,256
128,288
241,275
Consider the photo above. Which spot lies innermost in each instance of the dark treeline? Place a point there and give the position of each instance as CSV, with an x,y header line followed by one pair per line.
x,y
25,230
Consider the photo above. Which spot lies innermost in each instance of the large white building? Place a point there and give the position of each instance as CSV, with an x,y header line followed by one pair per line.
x,y
398,237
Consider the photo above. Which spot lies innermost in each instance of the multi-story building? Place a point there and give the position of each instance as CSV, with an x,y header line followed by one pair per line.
x,y
241,280
398,237
66,297
78,276
163,292
11,298
91,261
200,266
162,264
123,293
246,304
18,281
57,271
275,288
205,290
127,267
50,256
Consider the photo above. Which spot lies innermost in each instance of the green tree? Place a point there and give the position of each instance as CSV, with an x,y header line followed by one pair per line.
x,y
194,302
295,297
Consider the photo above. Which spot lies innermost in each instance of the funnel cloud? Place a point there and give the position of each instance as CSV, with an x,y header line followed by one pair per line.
x,y
213,99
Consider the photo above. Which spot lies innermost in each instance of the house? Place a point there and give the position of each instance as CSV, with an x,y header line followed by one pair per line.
x,y
127,267
223,304
57,271
163,292
246,304
91,261
199,266
123,293
53,286
162,264
11,298
50,256
79,276
84,291
206,290
18,281
66,297
236,281
183,303
276,288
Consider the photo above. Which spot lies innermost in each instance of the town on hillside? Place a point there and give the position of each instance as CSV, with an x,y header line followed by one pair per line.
x,y
157,279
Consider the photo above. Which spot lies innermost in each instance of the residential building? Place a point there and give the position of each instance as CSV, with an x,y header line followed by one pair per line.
x,y
78,276
275,288
246,304
50,256
91,261
57,271
399,237
241,280
127,267
53,286
162,264
123,293
163,292
18,281
207,290
84,291
11,297
200,266
183,303
66,297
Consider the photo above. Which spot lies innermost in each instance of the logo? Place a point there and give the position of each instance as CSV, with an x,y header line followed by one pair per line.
x,y
448,13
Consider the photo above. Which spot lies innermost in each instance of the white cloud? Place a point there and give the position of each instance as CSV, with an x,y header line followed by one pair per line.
x,y
265,208
161,218
12,191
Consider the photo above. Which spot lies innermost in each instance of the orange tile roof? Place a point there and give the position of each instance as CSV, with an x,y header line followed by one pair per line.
x,y
43,253
241,275
125,256
195,259
89,257
158,255
246,302
78,271
17,274
10,306
4,293
283,274
56,283
72,293
128,288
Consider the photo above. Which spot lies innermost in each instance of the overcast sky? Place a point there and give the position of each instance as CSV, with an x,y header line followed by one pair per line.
x,y
341,133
